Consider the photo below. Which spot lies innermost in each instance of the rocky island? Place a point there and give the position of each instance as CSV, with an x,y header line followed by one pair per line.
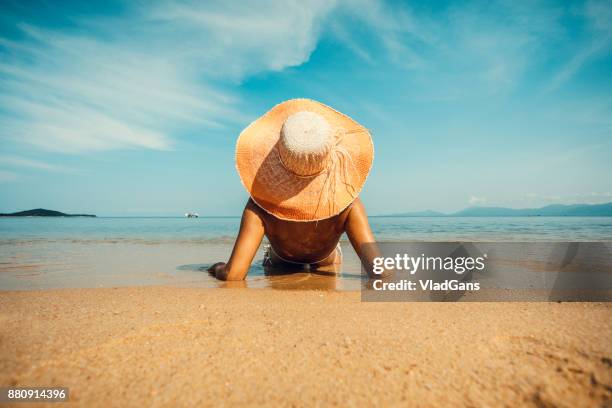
x,y
41,212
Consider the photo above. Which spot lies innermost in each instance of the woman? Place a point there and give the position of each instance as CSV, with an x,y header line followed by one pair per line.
x,y
303,164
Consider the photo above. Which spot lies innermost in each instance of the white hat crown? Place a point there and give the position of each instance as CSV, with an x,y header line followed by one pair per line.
x,y
305,143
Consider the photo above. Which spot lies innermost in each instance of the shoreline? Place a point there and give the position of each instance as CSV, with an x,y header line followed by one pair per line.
x,y
163,345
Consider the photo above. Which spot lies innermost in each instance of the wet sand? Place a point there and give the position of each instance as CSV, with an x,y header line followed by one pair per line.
x,y
161,346
55,265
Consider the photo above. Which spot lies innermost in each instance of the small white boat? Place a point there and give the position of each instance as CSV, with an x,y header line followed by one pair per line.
x,y
192,214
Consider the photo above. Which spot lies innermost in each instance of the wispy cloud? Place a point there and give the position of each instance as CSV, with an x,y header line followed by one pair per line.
x,y
232,40
475,200
476,48
18,161
139,79
598,17
8,176
459,50
397,32
595,197
136,80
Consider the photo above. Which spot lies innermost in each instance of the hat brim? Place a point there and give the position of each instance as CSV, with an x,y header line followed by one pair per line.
x,y
286,195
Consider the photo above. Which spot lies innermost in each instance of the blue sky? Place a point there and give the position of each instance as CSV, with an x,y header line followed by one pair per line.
x,y
133,108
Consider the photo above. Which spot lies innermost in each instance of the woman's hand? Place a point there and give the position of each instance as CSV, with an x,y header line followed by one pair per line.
x,y
217,269
247,243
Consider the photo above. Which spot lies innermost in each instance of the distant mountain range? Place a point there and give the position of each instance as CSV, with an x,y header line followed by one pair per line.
x,y
555,210
41,212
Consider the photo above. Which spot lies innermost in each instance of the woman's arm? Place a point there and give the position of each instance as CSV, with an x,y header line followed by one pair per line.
x,y
360,234
249,238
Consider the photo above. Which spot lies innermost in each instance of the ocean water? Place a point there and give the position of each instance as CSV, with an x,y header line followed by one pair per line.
x,y
224,230
41,253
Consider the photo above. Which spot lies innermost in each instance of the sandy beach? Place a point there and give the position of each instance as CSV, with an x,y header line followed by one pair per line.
x,y
160,346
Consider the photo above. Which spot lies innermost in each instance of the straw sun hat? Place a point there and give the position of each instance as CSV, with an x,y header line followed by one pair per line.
x,y
304,161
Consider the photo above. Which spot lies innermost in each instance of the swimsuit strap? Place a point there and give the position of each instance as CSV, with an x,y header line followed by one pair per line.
x,y
271,249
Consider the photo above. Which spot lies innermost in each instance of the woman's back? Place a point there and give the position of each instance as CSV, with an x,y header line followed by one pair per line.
x,y
304,242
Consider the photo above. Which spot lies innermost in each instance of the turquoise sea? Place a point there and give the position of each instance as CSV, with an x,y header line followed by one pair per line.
x,y
194,230
40,253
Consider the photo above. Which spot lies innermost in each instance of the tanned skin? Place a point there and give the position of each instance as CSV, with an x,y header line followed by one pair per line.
x,y
311,243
